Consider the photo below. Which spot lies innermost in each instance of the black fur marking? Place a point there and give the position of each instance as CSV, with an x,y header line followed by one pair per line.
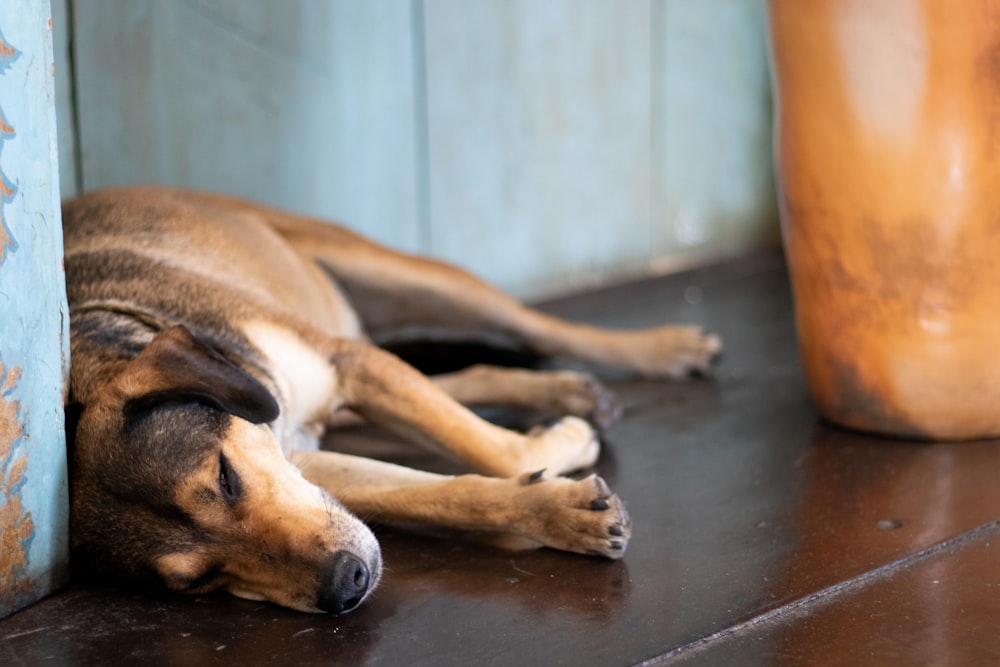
x,y
132,514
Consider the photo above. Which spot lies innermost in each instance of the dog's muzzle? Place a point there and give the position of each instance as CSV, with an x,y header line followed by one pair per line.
x,y
344,583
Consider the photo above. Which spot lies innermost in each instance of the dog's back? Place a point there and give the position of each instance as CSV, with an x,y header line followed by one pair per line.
x,y
139,260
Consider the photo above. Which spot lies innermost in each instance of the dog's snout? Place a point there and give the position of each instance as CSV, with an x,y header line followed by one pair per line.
x,y
344,584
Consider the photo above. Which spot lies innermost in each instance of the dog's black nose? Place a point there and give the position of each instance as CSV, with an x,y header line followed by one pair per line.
x,y
343,584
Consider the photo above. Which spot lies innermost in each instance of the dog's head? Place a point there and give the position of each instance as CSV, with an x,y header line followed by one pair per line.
x,y
176,478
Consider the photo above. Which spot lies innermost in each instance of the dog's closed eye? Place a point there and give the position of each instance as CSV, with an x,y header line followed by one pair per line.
x,y
229,481
203,583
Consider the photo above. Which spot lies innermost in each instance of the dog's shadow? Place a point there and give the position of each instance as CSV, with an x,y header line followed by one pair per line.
x,y
496,572
431,590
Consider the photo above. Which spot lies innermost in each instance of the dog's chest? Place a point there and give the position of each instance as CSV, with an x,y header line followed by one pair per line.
x,y
306,382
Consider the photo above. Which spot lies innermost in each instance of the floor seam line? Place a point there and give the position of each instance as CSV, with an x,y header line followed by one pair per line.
x,y
856,581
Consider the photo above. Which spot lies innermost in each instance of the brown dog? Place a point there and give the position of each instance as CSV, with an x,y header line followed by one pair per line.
x,y
213,340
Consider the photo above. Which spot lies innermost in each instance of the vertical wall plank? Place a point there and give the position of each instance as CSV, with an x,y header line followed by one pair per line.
x,y
713,186
61,31
33,316
544,145
305,104
539,138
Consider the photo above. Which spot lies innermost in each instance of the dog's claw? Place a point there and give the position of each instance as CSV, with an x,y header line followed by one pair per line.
x,y
533,478
599,505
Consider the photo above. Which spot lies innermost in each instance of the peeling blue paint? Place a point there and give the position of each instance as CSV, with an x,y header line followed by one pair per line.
x,y
8,54
34,506
8,243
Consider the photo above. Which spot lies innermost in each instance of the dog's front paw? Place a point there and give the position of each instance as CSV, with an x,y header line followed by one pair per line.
x,y
581,516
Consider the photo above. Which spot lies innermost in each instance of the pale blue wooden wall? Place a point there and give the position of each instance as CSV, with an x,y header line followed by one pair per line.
x,y
547,146
33,316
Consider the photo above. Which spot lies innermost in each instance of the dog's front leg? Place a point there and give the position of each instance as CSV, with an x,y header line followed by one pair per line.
x,y
579,516
386,391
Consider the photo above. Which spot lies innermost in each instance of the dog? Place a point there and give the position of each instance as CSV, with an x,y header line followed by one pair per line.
x,y
213,341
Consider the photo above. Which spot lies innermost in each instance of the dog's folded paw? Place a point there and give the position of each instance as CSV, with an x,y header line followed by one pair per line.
x,y
567,445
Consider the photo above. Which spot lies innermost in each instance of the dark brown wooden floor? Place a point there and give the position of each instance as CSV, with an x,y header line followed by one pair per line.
x,y
762,536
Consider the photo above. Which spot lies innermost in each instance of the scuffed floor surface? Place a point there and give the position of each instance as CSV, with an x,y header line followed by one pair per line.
x,y
762,536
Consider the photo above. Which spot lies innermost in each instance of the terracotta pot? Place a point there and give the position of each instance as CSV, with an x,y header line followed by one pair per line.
x,y
888,160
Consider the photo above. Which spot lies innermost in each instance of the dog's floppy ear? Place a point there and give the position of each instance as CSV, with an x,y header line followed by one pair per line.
x,y
177,368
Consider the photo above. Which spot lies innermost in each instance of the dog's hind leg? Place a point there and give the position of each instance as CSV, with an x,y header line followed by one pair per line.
x,y
580,516
394,292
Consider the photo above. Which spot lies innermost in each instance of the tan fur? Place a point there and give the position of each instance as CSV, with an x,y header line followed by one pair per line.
x,y
293,303
280,521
